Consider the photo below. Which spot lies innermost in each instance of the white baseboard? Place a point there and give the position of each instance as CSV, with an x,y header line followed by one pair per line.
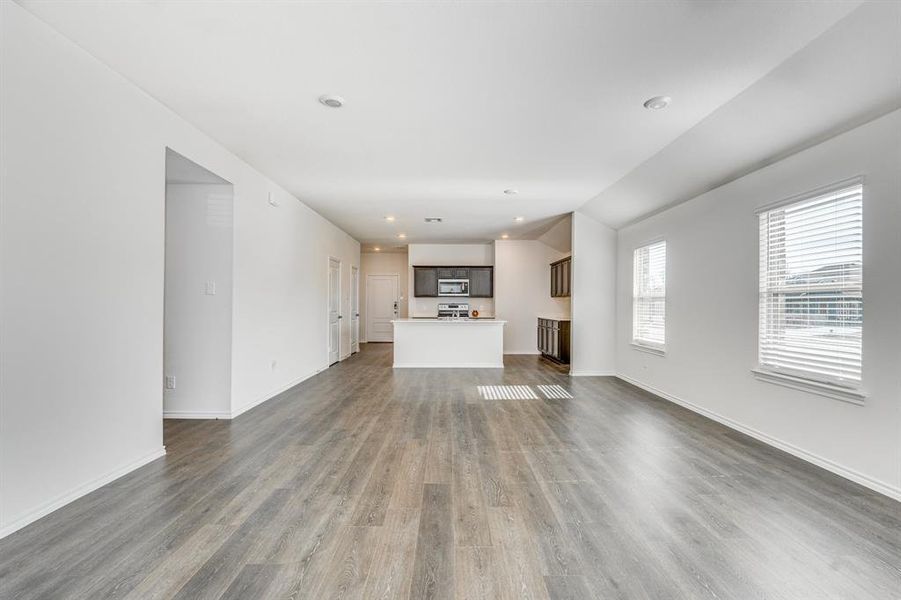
x,y
272,394
592,374
525,352
78,492
832,466
189,414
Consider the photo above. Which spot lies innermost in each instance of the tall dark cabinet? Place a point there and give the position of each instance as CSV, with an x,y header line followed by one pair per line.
x,y
561,278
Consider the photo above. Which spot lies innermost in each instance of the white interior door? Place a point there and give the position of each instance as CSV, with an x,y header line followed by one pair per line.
x,y
334,310
381,307
354,309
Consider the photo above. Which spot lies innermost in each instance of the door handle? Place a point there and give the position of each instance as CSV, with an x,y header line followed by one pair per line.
x,y
340,316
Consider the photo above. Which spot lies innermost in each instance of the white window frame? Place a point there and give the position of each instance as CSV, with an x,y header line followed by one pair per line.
x,y
643,345
836,388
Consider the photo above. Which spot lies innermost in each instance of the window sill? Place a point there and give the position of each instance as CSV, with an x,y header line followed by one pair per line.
x,y
820,388
649,349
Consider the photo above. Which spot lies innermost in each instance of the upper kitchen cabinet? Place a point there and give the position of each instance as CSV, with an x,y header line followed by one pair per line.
x,y
425,282
481,282
561,276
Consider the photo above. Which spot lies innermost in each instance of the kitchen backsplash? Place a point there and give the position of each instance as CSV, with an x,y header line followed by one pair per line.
x,y
428,307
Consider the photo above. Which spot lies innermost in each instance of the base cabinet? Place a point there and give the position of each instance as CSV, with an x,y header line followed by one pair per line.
x,y
553,339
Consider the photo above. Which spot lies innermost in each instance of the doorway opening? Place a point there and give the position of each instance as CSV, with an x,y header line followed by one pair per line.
x,y
334,310
381,307
197,292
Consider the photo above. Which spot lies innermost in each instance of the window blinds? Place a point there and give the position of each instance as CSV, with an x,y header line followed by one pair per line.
x,y
811,286
649,296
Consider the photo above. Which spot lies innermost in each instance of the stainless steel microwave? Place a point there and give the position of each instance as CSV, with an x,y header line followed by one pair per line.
x,y
453,287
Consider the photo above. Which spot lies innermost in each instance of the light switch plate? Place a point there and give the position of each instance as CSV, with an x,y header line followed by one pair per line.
x,y
210,288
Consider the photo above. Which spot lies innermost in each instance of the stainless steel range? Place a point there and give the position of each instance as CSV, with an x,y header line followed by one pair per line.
x,y
453,309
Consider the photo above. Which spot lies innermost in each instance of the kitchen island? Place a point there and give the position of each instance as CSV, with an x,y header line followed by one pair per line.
x,y
449,343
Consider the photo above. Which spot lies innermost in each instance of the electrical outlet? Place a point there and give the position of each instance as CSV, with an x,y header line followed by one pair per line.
x,y
210,288
170,382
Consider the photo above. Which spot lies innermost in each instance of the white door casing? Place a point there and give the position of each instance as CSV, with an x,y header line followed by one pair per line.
x,y
334,310
381,307
354,309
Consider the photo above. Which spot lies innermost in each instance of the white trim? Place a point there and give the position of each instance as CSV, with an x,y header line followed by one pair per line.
x,y
272,394
821,388
592,374
649,349
820,191
650,242
354,314
328,318
524,353
451,366
190,414
79,491
831,466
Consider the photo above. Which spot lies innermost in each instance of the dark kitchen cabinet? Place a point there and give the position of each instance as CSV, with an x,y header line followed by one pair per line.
x,y
561,278
425,282
553,339
481,282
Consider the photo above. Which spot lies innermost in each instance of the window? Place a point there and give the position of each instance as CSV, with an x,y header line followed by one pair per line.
x,y
811,286
649,296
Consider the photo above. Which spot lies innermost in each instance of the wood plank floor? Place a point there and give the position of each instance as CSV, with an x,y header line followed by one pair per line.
x,y
363,482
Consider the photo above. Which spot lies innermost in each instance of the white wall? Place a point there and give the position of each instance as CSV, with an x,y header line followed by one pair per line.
x,y
383,263
711,320
522,291
81,264
593,297
560,235
463,255
198,325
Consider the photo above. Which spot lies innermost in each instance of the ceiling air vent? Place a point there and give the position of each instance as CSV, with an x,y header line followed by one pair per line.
x,y
433,219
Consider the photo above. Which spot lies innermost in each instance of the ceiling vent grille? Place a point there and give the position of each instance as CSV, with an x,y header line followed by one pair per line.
x,y
433,219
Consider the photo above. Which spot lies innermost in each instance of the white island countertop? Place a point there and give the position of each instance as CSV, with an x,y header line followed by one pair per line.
x,y
469,321
449,343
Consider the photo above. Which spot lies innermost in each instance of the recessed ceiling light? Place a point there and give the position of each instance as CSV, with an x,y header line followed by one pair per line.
x,y
505,236
519,219
389,218
402,235
511,192
658,102
376,248
433,219
332,101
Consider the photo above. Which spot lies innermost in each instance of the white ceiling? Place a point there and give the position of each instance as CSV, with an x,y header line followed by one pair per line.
x,y
849,75
448,103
